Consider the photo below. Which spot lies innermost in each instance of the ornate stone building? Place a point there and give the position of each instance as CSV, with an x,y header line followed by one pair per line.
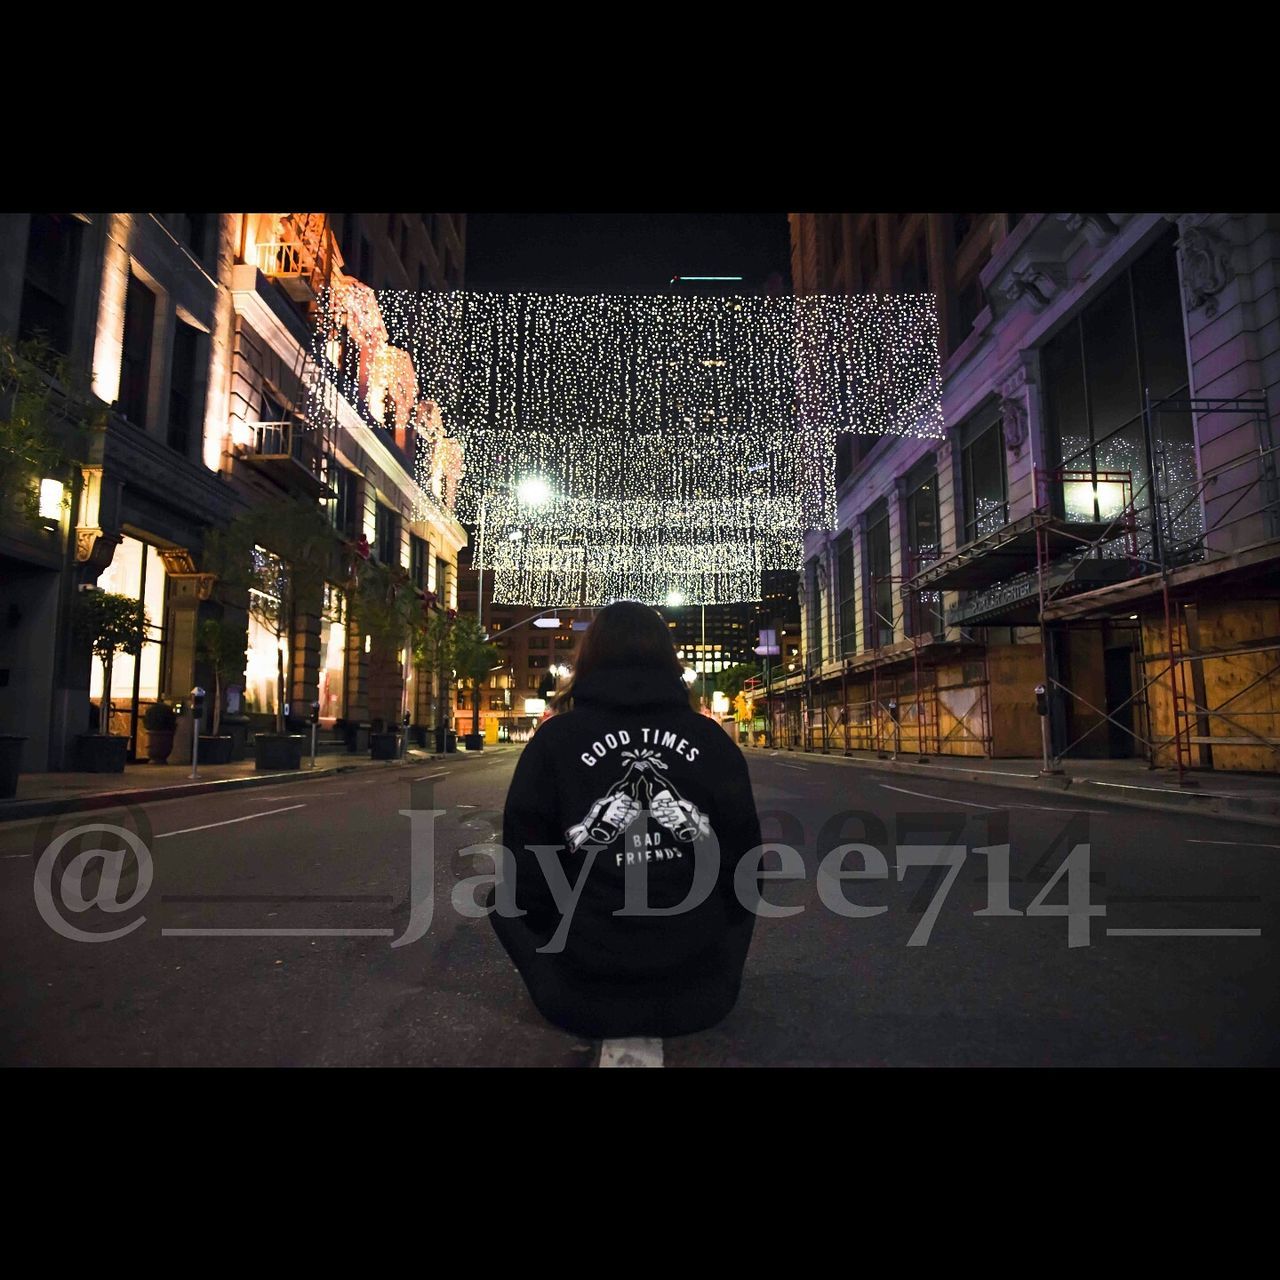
x,y
1101,517
195,333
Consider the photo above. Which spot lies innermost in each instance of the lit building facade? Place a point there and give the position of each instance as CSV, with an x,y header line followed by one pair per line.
x,y
1101,517
195,333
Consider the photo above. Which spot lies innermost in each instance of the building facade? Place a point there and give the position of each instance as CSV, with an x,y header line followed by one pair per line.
x,y
1100,519
196,335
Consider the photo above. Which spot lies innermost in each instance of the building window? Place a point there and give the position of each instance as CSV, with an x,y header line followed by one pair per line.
x,y
137,571
969,302
1095,370
386,535
419,555
869,256
880,589
848,593
913,270
814,612
983,477
186,399
923,545
442,582
192,229
49,281
135,360
346,506
836,243
333,652
961,225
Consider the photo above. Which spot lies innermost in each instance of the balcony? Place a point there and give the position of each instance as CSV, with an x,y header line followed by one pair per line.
x,y
293,454
292,264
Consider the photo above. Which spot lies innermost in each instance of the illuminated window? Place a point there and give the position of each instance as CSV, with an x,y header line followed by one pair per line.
x,y
137,571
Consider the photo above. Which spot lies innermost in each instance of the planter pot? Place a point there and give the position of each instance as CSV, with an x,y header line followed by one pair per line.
x,y
215,750
446,740
159,745
419,732
277,751
451,741
101,752
474,742
384,746
238,728
10,759
357,736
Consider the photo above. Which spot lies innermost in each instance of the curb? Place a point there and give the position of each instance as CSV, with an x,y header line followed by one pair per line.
x,y
1264,813
16,810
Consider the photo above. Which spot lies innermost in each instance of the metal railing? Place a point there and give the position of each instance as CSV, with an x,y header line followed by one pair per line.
x,y
303,444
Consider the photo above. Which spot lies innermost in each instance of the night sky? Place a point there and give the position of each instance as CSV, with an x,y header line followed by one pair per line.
x,y
622,252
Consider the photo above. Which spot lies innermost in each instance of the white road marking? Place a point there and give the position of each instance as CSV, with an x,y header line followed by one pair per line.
x,y
801,767
924,795
1184,933
1236,844
277,933
247,818
1058,808
431,777
635,1051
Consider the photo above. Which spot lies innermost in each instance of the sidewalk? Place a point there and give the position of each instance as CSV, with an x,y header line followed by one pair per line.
x,y
40,794
1243,797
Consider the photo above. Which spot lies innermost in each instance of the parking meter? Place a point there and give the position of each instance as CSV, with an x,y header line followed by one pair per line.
x,y
197,715
315,721
1046,750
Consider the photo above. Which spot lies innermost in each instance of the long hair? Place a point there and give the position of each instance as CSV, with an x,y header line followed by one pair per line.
x,y
626,635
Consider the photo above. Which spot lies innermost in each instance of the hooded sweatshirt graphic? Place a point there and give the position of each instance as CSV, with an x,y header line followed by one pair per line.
x,y
634,784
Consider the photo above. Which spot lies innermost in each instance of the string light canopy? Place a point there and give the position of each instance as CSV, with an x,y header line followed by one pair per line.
x,y
680,443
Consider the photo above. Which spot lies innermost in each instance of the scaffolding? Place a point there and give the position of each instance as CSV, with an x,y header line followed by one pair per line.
x,y
1099,549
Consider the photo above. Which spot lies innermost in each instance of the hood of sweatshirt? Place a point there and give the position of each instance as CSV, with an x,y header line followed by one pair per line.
x,y
630,687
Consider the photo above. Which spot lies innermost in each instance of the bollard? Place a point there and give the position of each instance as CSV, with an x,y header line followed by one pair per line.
x,y
315,721
197,714
404,737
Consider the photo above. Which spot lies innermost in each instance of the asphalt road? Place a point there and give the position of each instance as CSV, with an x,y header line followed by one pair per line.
x,y
820,988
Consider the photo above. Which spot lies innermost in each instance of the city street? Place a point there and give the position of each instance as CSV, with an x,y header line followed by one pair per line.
x,y
819,988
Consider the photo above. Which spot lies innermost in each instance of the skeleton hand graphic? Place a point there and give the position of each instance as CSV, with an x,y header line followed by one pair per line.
x,y
682,817
609,815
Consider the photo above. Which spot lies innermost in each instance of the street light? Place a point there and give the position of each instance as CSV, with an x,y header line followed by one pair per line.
x,y
531,491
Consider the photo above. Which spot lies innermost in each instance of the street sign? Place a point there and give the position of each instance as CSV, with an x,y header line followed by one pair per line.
x,y
765,649
767,643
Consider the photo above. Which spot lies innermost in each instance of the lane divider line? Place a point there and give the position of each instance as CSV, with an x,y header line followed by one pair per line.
x,y
1235,844
924,795
634,1051
248,817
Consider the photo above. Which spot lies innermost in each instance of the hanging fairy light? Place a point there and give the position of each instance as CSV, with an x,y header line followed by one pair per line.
x,y
689,442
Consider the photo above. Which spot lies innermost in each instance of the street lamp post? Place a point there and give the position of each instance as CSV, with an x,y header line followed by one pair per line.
x,y
532,491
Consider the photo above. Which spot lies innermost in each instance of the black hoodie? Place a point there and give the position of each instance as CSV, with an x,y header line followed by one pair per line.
x,y
632,751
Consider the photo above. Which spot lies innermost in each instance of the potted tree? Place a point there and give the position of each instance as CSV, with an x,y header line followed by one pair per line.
x,y
160,721
111,624
437,644
279,556
386,608
222,646
472,658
